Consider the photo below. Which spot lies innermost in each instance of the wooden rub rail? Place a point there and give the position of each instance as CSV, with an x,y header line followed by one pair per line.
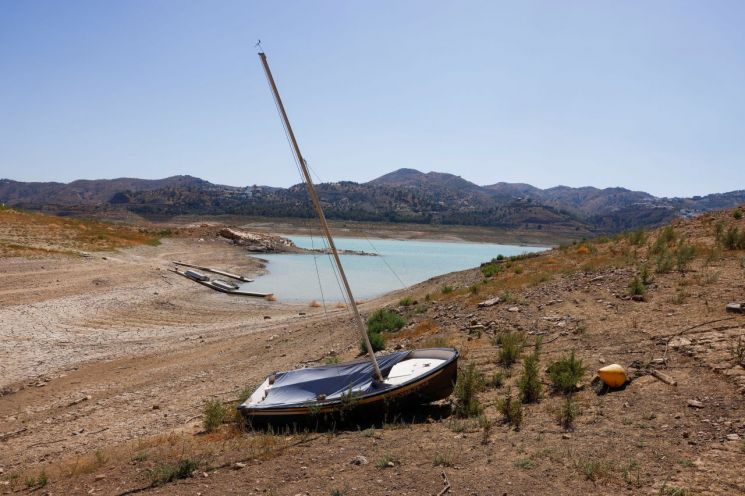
x,y
214,271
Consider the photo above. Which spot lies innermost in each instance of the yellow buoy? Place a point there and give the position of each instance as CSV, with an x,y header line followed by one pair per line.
x,y
613,375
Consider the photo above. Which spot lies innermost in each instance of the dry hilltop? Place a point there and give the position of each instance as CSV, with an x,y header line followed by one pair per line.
x,y
119,377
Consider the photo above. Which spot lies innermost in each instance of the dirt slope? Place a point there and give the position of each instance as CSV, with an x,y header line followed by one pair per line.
x,y
143,417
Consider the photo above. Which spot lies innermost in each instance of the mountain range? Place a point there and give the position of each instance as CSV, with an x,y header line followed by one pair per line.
x,y
405,195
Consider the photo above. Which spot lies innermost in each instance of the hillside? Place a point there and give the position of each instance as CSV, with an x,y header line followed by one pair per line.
x,y
405,195
653,302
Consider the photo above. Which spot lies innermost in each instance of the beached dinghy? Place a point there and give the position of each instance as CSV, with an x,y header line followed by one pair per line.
x,y
410,378
366,386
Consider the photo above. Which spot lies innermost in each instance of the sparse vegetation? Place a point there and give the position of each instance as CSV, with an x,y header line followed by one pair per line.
x,y
567,412
385,319
733,239
386,461
737,351
406,301
566,372
469,384
529,383
737,214
497,380
164,473
525,463
684,254
377,341
442,460
510,345
666,490
213,415
511,410
446,289
637,287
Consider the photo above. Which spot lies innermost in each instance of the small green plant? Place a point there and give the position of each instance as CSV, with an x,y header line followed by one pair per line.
x,y
593,467
529,383
387,461
377,341
406,302
567,413
447,289
637,238
385,320
566,372
645,275
518,270
338,492
511,410
664,262
142,456
497,380
632,474
525,463
469,384
684,254
733,239
491,269
737,350
42,480
332,360
637,287
510,346
213,415
486,425
737,214
442,460
169,472
474,289
666,490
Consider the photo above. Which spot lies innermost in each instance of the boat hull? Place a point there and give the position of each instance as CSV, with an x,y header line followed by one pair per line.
x,y
434,385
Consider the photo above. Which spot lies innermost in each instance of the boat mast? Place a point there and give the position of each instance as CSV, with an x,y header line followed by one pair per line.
x,y
321,217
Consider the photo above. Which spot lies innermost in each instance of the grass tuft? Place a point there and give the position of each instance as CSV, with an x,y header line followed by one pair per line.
x,y
469,384
213,415
511,410
566,372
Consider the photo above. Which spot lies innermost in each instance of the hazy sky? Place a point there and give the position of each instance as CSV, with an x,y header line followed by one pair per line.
x,y
643,94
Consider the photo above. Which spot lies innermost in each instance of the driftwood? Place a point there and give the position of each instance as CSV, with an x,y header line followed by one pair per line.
x,y
8,435
445,481
664,377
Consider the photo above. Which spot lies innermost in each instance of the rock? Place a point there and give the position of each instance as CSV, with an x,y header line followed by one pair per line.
x,y
391,464
257,242
637,297
695,404
359,460
239,465
490,302
733,437
100,477
156,407
679,341
566,436
513,309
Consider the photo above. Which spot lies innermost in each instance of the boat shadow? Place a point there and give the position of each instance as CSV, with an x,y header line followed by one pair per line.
x,y
354,420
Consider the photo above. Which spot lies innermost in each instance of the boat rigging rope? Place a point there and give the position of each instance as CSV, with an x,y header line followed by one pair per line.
x,y
327,248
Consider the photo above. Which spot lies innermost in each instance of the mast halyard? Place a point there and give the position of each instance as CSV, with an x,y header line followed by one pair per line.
x,y
319,211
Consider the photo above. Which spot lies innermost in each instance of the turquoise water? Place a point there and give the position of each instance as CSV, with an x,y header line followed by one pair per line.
x,y
293,277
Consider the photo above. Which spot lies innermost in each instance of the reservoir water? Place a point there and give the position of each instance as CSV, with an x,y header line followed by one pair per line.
x,y
293,277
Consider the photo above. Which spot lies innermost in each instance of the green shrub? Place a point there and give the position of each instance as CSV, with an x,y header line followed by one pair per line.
x,y
568,411
406,302
166,472
644,275
511,344
384,320
733,239
566,372
447,289
491,269
637,238
377,341
683,256
214,414
497,380
664,262
529,383
637,287
737,214
511,410
470,382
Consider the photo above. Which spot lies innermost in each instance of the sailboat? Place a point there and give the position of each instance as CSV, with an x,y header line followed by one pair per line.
x,y
371,385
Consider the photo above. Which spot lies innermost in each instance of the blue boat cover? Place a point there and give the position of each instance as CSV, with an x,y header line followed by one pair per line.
x,y
303,386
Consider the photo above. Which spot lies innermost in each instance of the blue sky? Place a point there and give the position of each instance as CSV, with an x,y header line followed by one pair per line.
x,y
647,95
